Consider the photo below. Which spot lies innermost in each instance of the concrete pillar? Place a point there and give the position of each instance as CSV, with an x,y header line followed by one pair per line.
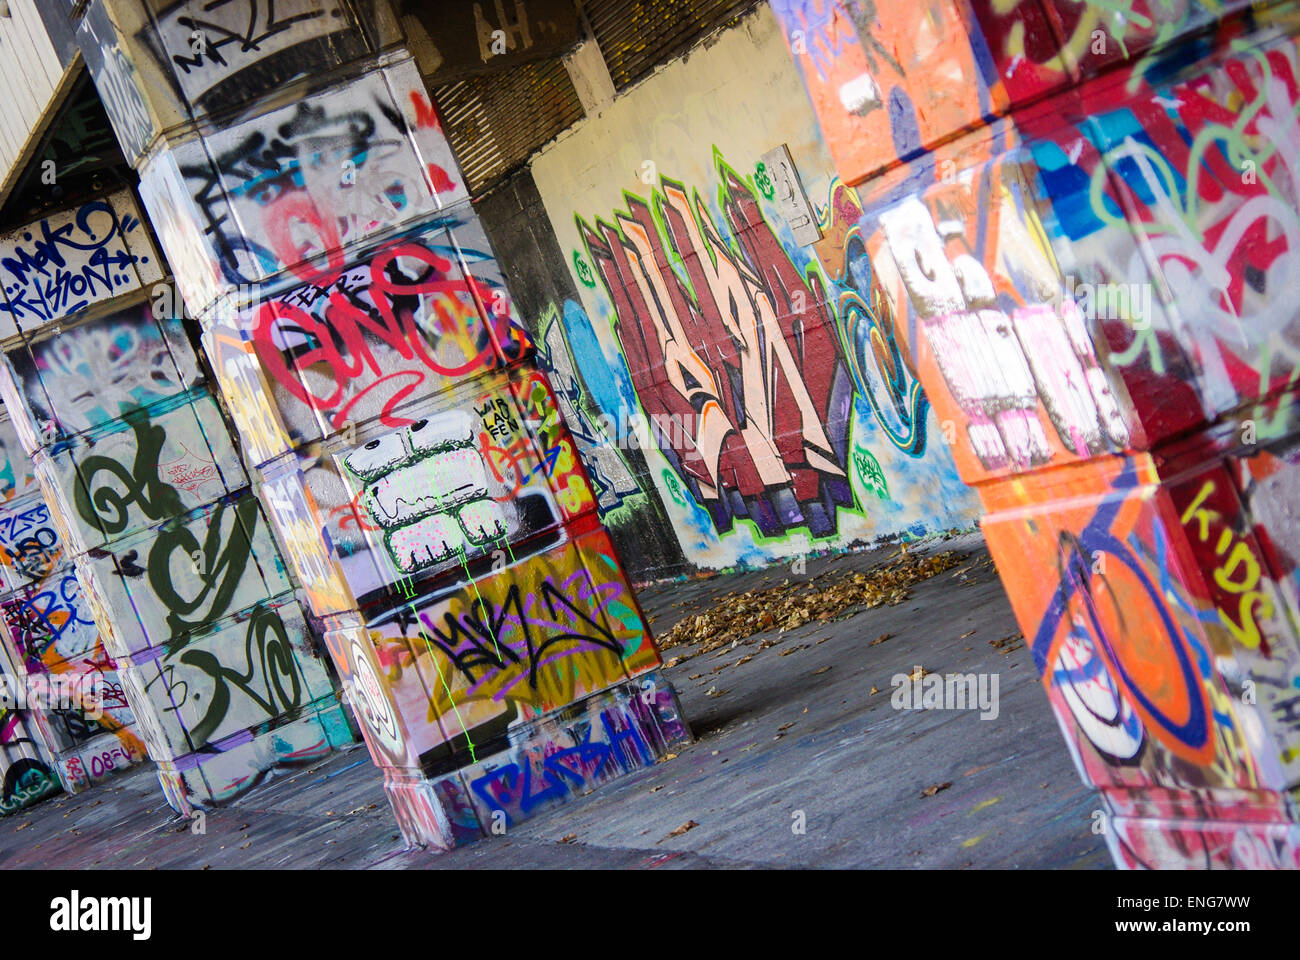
x,y
162,573
29,734
404,445
1084,228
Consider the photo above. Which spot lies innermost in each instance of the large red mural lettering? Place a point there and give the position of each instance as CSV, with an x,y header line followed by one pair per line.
x,y
734,356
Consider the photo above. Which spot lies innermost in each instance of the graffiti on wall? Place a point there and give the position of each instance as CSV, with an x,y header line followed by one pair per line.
x,y
427,487
513,645
737,364
51,633
1038,47
611,479
455,487
232,679
72,259
884,377
1186,178
615,734
176,575
768,378
1121,641
120,87
27,775
887,83
1023,380
387,332
151,467
86,376
234,51
290,189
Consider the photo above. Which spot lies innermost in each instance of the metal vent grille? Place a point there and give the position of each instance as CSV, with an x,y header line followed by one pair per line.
x,y
496,121
635,36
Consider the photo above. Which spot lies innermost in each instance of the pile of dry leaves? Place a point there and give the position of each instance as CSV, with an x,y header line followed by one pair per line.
x,y
792,604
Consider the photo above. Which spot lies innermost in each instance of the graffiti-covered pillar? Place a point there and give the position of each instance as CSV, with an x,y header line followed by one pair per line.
x,y
1085,225
144,557
73,268
34,723
407,450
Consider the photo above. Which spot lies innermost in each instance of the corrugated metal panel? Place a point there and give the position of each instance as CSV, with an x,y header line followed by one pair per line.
x,y
636,36
30,83
496,121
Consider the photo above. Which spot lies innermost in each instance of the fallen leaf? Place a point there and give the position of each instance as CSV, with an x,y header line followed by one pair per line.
x,y
688,825
568,838
874,690
786,726
931,791
1007,644
742,614
820,670
880,639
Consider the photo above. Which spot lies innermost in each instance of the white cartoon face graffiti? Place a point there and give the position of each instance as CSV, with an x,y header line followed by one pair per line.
x,y
427,486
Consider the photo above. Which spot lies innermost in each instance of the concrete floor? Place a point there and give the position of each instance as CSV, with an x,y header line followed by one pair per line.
x,y
796,730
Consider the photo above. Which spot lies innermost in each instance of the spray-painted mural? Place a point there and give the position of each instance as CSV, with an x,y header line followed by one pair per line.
x,y
225,54
584,385
781,413
432,463
1103,275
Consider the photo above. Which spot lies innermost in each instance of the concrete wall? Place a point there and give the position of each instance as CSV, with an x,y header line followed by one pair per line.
x,y
802,425
1088,227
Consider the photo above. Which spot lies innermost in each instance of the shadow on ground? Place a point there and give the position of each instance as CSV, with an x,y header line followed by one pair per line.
x,y
792,736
